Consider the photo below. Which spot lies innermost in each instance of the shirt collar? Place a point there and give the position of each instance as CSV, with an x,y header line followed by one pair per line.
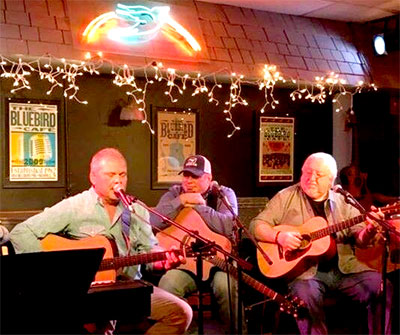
x,y
99,200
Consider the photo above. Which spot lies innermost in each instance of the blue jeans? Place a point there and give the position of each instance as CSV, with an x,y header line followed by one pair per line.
x,y
181,284
363,287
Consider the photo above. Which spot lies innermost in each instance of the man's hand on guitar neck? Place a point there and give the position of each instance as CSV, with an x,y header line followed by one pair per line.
x,y
173,259
366,236
191,199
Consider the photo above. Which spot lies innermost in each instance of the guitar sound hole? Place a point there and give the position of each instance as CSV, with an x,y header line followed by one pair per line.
x,y
291,255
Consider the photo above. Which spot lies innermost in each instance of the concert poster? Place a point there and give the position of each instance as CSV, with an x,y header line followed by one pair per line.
x,y
276,149
32,142
176,140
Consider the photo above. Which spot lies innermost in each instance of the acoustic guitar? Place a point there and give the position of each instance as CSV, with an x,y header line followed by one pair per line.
x,y
316,242
107,271
373,256
288,304
190,219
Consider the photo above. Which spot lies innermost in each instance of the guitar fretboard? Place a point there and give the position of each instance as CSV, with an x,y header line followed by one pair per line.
x,y
246,278
118,262
349,223
337,227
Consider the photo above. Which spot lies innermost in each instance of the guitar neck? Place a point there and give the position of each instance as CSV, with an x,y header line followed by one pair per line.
x,y
349,223
337,227
118,262
246,278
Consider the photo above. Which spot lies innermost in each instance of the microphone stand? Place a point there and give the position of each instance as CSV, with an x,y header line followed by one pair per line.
x,y
200,240
210,244
238,229
388,228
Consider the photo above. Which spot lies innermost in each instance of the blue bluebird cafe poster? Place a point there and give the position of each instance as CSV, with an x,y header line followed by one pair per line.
x,y
33,142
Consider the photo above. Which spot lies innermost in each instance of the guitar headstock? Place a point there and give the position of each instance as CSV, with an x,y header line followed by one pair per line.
x,y
391,209
189,252
292,305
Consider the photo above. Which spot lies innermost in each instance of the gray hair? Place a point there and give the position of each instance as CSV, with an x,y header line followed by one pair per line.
x,y
328,159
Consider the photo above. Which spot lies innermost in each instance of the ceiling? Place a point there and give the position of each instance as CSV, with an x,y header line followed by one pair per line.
x,y
340,10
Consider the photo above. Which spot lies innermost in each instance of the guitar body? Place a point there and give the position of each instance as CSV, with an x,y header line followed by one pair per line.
x,y
54,242
291,264
190,219
373,256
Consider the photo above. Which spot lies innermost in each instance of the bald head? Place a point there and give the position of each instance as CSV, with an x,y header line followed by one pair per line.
x,y
108,168
105,154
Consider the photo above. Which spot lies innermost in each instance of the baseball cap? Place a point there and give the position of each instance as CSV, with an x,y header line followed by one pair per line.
x,y
197,165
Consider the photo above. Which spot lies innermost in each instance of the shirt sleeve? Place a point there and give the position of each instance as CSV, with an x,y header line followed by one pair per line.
x,y
220,220
169,205
270,214
26,235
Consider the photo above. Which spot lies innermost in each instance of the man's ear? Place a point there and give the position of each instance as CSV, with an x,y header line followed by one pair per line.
x,y
91,177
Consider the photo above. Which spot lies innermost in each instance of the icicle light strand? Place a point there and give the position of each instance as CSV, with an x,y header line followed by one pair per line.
x,y
63,74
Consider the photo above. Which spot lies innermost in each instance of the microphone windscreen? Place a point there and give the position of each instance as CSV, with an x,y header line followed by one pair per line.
x,y
118,188
214,186
337,188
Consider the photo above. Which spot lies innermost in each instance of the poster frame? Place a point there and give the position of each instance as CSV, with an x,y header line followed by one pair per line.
x,y
188,115
60,147
263,177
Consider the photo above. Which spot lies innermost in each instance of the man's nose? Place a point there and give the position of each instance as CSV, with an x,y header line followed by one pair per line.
x,y
313,176
117,179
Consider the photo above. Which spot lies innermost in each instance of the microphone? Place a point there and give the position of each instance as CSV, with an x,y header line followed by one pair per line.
x,y
339,189
349,198
126,200
215,188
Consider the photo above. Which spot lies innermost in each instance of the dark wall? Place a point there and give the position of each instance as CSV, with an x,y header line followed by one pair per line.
x,y
378,115
97,125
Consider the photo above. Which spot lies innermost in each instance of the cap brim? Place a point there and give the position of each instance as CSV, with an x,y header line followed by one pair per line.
x,y
194,171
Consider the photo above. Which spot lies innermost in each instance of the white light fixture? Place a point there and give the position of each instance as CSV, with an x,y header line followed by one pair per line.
x,y
131,112
379,45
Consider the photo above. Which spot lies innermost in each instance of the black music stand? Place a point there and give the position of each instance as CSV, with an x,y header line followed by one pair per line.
x,y
42,292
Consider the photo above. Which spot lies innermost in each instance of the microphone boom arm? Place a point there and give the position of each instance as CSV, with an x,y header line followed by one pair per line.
x,y
239,224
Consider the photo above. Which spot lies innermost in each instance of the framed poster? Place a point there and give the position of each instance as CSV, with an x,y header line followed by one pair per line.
x,y
276,144
175,139
32,144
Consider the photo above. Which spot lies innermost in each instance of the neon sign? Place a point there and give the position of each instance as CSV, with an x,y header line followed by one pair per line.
x,y
137,24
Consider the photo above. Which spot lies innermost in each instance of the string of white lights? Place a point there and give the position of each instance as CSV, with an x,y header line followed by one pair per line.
x,y
64,74
271,77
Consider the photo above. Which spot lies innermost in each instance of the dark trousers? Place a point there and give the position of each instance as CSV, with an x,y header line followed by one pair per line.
x,y
364,287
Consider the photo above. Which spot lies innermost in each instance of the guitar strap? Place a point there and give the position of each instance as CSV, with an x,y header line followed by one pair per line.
x,y
126,224
212,200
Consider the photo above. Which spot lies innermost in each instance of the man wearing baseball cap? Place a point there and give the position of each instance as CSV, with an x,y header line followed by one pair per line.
x,y
197,191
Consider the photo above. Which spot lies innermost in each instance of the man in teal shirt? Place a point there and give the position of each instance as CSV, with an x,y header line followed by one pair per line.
x,y
98,211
